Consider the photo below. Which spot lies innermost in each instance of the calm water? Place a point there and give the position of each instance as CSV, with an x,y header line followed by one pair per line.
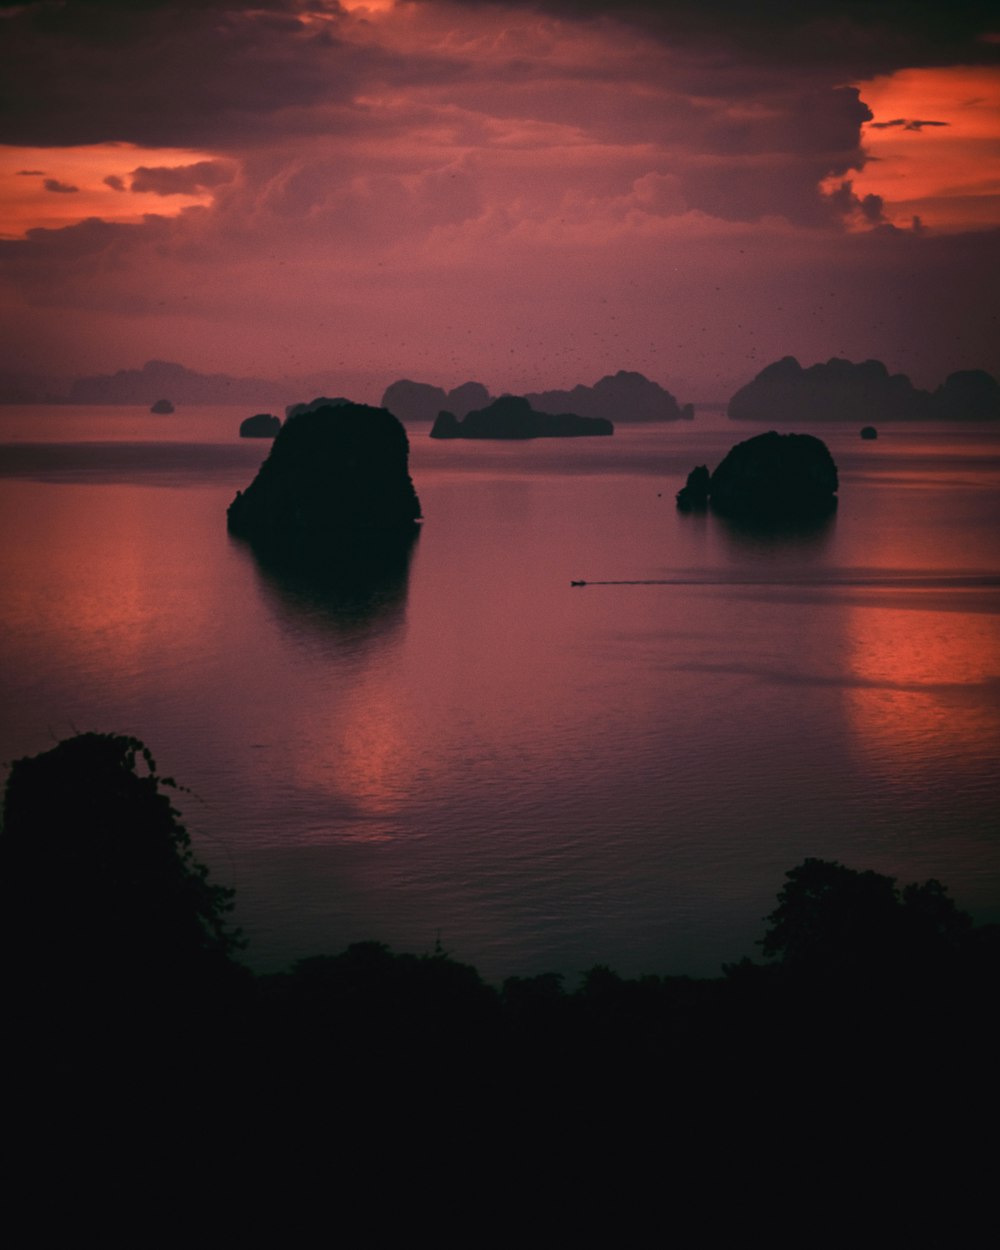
x,y
545,776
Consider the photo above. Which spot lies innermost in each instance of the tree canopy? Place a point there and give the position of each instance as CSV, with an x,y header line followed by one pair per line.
x,y
98,881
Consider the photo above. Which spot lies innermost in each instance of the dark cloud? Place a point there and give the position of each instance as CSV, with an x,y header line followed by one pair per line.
x,y
64,188
31,173
906,125
114,182
162,74
181,179
847,204
871,36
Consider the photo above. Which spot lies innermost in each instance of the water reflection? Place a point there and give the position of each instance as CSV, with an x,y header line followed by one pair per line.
x,y
926,688
347,596
808,537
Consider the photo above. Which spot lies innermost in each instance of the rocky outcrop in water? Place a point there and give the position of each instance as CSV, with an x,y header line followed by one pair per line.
x,y
836,391
769,477
624,396
869,433
336,482
969,395
161,407
511,416
260,425
419,401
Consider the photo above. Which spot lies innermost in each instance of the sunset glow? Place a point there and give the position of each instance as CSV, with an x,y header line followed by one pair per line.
x,y
934,147
55,187
529,194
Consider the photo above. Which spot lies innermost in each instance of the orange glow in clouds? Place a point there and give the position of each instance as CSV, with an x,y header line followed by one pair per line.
x,y
934,147
54,187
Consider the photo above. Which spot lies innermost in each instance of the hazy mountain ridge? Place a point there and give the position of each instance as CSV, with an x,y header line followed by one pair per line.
x,y
841,390
624,396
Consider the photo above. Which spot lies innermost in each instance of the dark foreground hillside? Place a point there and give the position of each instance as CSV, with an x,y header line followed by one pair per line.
x,y
866,1024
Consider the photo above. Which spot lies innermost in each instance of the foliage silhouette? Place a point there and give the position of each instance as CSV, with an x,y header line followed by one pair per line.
x,y
99,885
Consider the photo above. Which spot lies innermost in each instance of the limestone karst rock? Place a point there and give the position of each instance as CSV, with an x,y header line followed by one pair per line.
x,y
336,482
836,391
512,416
260,425
769,477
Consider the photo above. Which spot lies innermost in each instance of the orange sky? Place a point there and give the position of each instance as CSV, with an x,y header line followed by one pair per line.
x,y
531,194
27,202
947,173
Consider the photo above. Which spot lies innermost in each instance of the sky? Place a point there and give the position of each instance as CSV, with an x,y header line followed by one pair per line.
x,y
531,195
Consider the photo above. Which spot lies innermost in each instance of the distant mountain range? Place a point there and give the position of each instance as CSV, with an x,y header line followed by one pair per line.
x,y
843,391
622,396
162,379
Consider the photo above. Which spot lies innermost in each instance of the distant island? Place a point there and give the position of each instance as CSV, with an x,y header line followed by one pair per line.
x,y
511,416
419,401
621,397
772,477
843,391
163,377
161,407
321,401
260,425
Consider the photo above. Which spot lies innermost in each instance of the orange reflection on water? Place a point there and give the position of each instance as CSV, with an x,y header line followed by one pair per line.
x,y
108,595
926,684
360,750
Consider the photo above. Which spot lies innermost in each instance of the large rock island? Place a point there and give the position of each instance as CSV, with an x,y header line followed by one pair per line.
x,y
624,396
836,391
511,416
773,477
336,482
843,391
621,397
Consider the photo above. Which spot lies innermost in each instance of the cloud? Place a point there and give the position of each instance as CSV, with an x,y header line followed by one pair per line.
x,y
906,125
64,188
579,187
181,179
30,173
870,36
866,209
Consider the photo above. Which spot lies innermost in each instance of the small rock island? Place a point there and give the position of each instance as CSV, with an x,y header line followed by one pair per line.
x,y
260,425
161,407
336,483
772,477
512,416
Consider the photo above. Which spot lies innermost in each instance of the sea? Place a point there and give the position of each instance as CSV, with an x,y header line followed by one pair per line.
x,y
477,755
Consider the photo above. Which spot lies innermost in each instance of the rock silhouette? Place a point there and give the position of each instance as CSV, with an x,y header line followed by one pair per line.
x,y
260,425
623,396
161,407
869,432
419,401
836,391
165,377
335,483
770,477
321,401
969,395
511,416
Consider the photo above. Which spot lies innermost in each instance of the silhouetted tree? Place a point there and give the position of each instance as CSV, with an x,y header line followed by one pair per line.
x,y
100,892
